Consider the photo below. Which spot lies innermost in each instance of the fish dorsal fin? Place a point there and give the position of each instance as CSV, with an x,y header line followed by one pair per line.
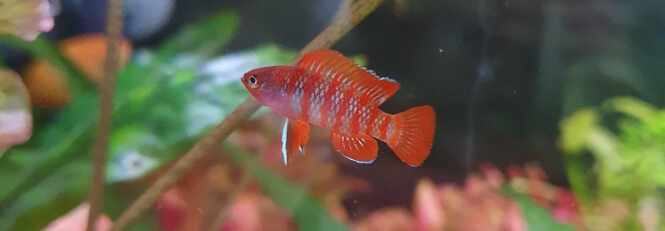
x,y
334,65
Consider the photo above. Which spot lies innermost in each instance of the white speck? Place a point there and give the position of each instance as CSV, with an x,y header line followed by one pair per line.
x,y
129,165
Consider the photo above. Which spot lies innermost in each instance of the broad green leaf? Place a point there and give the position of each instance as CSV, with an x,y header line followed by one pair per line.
x,y
50,197
307,211
204,37
632,107
536,217
575,128
182,104
604,145
628,165
625,73
69,137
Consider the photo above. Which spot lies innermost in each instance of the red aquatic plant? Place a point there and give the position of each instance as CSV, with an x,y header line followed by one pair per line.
x,y
478,204
531,180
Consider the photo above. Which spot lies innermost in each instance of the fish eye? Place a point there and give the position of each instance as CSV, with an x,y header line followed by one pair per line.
x,y
252,81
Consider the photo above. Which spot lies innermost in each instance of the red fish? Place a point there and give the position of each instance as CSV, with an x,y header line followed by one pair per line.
x,y
331,91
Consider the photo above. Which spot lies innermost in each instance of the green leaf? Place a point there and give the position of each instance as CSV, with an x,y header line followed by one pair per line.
x,y
204,37
50,197
603,145
308,212
626,74
575,128
628,166
632,107
69,136
180,103
536,217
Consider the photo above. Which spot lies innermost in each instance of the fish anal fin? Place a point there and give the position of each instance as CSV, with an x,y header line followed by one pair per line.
x,y
334,65
360,148
294,138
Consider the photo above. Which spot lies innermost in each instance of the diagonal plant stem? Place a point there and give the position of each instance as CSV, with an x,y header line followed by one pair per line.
x,y
344,21
107,92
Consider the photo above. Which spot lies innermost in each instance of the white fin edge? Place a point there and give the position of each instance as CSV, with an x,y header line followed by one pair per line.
x,y
285,132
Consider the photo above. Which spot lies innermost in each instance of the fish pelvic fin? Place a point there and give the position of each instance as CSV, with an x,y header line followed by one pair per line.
x,y
294,138
414,134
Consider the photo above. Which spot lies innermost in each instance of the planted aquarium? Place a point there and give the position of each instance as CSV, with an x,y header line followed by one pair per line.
x,y
332,115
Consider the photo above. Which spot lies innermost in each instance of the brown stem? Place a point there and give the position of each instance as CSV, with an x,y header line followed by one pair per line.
x,y
107,92
342,24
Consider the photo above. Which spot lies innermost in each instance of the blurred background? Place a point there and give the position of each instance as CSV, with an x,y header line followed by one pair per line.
x,y
525,94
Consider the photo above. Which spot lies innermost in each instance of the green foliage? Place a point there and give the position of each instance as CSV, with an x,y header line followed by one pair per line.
x,y
165,100
628,164
204,38
178,101
307,211
535,216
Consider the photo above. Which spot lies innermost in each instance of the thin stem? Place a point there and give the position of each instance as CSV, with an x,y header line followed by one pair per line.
x,y
107,93
338,28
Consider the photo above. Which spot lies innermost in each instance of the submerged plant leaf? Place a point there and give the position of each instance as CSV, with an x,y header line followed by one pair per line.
x,y
626,74
604,145
631,106
198,38
309,213
575,128
627,166
536,217
49,198
182,101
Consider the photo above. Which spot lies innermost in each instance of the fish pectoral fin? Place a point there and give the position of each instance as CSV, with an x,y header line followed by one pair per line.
x,y
294,138
360,148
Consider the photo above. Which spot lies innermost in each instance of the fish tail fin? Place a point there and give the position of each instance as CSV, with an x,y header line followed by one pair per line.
x,y
413,135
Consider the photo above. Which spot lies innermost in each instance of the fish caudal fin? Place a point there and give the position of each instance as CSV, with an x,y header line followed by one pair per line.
x,y
414,135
